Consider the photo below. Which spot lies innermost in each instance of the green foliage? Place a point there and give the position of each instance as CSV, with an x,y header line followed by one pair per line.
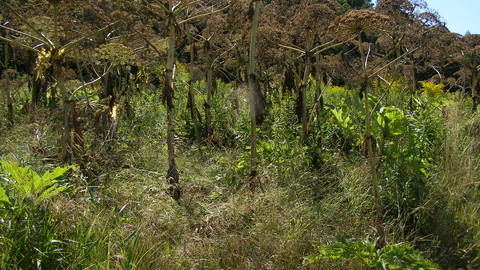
x,y
363,254
89,243
4,198
336,95
433,92
405,142
299,201
27,228
344,121
428,171
103,242
392,124
410,158
86,94
29,184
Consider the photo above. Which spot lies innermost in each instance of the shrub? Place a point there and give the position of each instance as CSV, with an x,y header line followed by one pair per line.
x,y
27,226
362,254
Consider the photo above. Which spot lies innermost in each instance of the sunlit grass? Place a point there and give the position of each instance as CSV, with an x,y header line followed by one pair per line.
x,y
119,214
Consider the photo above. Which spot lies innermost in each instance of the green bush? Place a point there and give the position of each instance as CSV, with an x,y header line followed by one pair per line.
x,y
362,254
27,229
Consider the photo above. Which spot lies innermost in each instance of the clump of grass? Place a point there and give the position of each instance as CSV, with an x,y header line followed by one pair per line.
x,y
450,218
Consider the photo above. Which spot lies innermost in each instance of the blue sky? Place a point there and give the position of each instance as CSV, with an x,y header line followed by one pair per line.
x,y
461,15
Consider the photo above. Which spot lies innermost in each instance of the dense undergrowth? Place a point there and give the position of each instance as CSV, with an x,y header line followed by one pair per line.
x,y
312,207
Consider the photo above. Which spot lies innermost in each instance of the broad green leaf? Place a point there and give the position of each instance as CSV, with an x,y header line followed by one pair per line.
x,y
50,192
24,179
167,248
265,146
27,182
344,121
394,256
392,113
59,171
3,197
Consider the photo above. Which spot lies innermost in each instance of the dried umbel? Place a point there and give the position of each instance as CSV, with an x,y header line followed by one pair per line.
x,y
396,7
54,2
464,49
316,17
331,4
359,21
472,41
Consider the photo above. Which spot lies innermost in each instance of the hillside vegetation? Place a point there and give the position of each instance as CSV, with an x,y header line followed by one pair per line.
x,y
304,198
187,135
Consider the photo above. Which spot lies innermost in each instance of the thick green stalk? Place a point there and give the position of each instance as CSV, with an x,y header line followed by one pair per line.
x,y
191,95
6,54
251,83
475,78
474,87
208,116
56,39
67,140
414,85
9,100
7,87
318,96
303,90
172,173
369,141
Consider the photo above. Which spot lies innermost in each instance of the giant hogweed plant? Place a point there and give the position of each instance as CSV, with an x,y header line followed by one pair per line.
x,y
405,151
27,227
356,24
362,254
50,53
408,143
404,148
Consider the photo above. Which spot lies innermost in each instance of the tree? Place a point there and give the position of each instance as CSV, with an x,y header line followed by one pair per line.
x,y
409,33
358,23
172,12
51,50
466,52
210,88
117,61
309,25
290,44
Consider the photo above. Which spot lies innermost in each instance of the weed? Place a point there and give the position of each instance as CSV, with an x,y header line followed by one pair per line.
x,y
363,254
27,228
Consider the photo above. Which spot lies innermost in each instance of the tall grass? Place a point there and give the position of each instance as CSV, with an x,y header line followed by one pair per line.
x,y
119,215
450,217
